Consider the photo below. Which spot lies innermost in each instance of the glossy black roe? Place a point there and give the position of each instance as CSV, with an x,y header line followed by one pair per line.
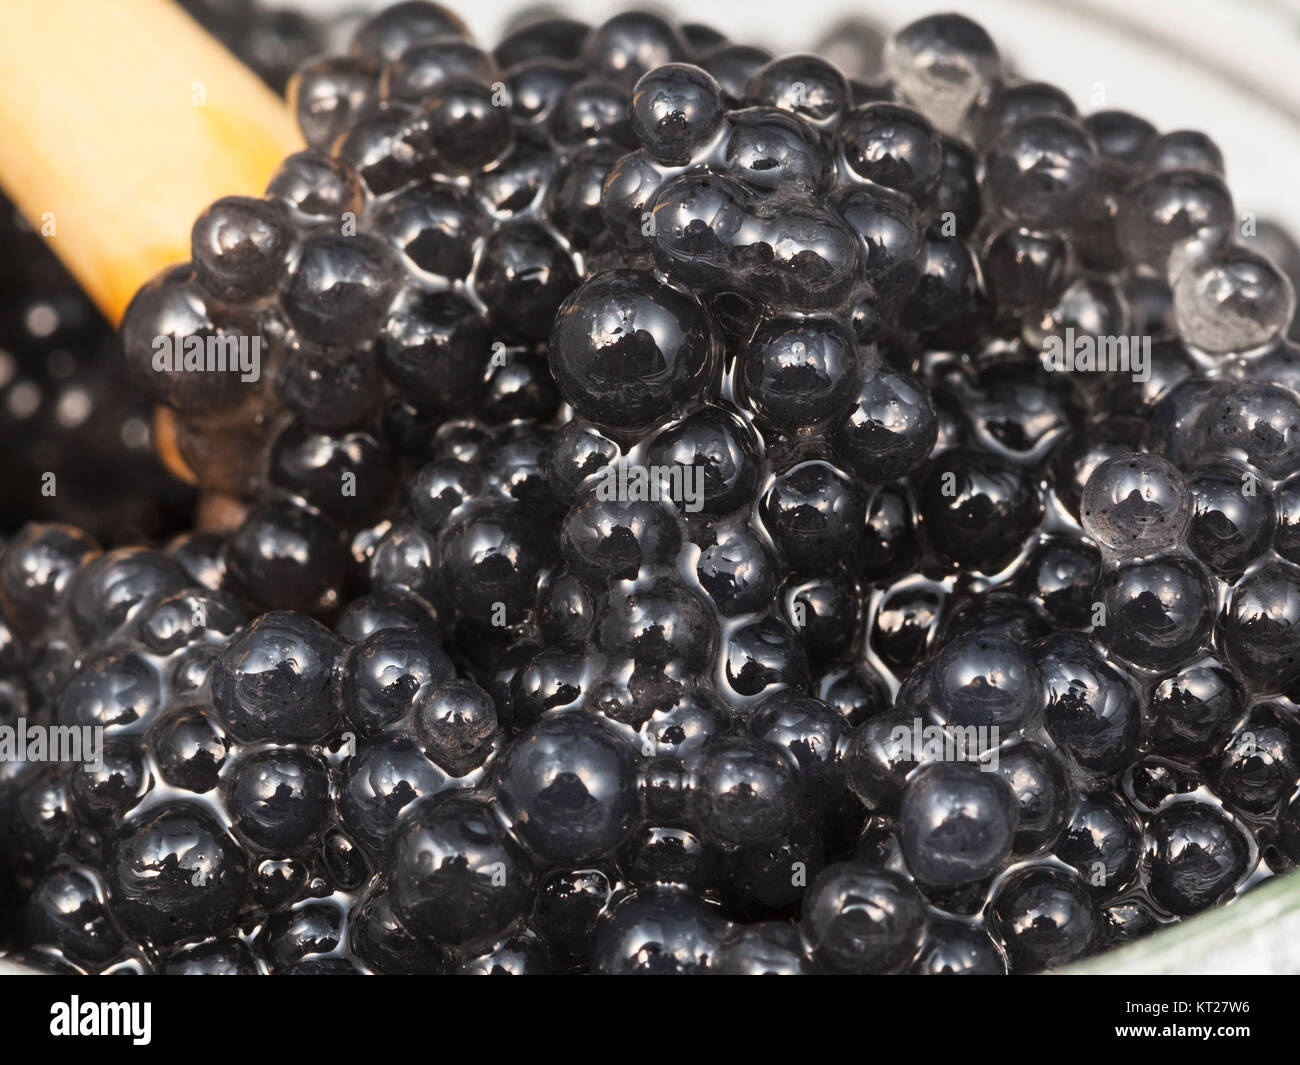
x,y
1121,136
434,226
239,247
454,874
675,109
857,692
536,35
805,84
574,200
427,66
1092,710
723,447
1194,707
1046,918
1261,626
568,786
341,288
889,542
457,721
435,347
578,451
745,791
593,110
272,681
890,426
384,777
1039,779
111,690
879,756
493,553
460,128
35,568
859,918
948,288
798,372
380,676
1171,208
957,823
108,590
978,509
317,466
894,146
715,234
1286,540
628,350
662,625
390,32
522,954
906,622
1061,574
515,184
1038,172
824,611
220,957
657,930
1257,422
66,909
523,275
1195,857
286,557
983,678
568,904
1157,611
1259,765
279,798
764,656
328,388
606,539
734,66
188,750
1026,270
315,187
329,94
957,201
955,948
175,874
815,515
736,568
811,732
1009,103
772,149
378,939
1103,841
1232,517
762,949
628,45
891,230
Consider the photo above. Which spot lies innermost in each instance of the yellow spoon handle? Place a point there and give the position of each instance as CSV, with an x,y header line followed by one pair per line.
x,y
122,120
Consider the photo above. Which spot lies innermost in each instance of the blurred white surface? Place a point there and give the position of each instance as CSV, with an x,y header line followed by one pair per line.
x,y
1228,67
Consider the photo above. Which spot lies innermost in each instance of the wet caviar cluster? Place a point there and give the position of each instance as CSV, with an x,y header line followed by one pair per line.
x,y
694,517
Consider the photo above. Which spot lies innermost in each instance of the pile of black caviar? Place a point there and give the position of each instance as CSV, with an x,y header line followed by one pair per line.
x,y
700,511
